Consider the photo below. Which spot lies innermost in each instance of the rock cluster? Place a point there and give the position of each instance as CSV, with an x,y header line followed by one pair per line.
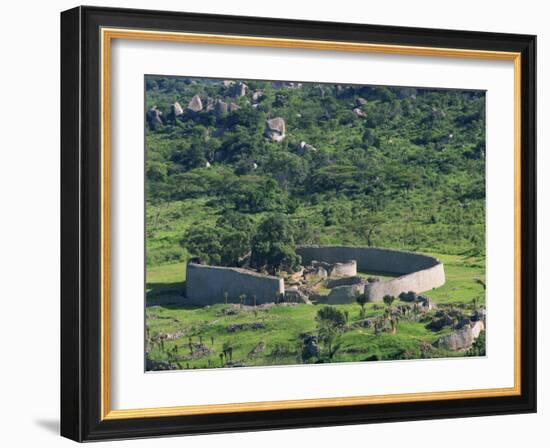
x,y
461,339
238,89
357,111
304,148
296,295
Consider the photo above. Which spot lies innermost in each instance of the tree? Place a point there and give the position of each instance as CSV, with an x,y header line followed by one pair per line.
x,y
330,323
227,351
362,300
365,226
273,246
203,242
288,169
258,196
388,300
234,246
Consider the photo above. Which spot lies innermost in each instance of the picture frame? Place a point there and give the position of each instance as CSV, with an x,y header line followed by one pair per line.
x,y
87,34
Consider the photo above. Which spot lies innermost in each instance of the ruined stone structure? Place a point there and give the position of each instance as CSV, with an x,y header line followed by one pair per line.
x,y
207,285
417,272
338,269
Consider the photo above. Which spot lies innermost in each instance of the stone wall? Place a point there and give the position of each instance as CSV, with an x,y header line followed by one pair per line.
x,y
207,285
339,269
344,269
368,258
419,281
418,272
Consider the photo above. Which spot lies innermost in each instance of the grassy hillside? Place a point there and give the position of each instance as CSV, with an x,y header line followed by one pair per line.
x,y
409,174
401,168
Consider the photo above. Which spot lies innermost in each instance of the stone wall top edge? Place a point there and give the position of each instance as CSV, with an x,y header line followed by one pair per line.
x,y
229,268
338,246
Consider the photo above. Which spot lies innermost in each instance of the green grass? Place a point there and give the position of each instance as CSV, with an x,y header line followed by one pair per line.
x,y
282,325
462,275
383,276
165,283
280,334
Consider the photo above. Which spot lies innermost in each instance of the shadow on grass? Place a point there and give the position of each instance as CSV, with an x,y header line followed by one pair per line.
x,y
164,293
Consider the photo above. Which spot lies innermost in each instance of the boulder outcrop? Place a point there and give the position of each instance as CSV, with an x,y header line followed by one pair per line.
x,y
275,129
238,89
220,107
176,109
154,117
461,339
195,105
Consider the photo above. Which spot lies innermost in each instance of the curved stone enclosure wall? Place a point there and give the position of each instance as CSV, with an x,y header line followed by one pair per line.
x,y
419,272
207,285
418,281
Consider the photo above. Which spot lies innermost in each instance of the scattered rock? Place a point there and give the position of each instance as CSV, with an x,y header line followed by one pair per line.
x,y
439,322
245,326
426,303
293,294
304,148
257,96
154,117
297,275
195,105
198,350
220,107
463,321
360,102
151,364
477,328
233,107
275,129
260,347
357,111
461,339
238,89
478,314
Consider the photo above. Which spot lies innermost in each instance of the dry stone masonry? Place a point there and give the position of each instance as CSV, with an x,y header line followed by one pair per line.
x,y
207,285
417,272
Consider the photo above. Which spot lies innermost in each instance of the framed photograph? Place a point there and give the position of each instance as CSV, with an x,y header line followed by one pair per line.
x,y
276,224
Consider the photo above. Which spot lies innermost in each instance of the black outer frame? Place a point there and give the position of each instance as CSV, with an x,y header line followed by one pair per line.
x,y
81,207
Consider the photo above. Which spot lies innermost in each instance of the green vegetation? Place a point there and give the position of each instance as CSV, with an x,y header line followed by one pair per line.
x,y
390,167
411,174
285,326
280,330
